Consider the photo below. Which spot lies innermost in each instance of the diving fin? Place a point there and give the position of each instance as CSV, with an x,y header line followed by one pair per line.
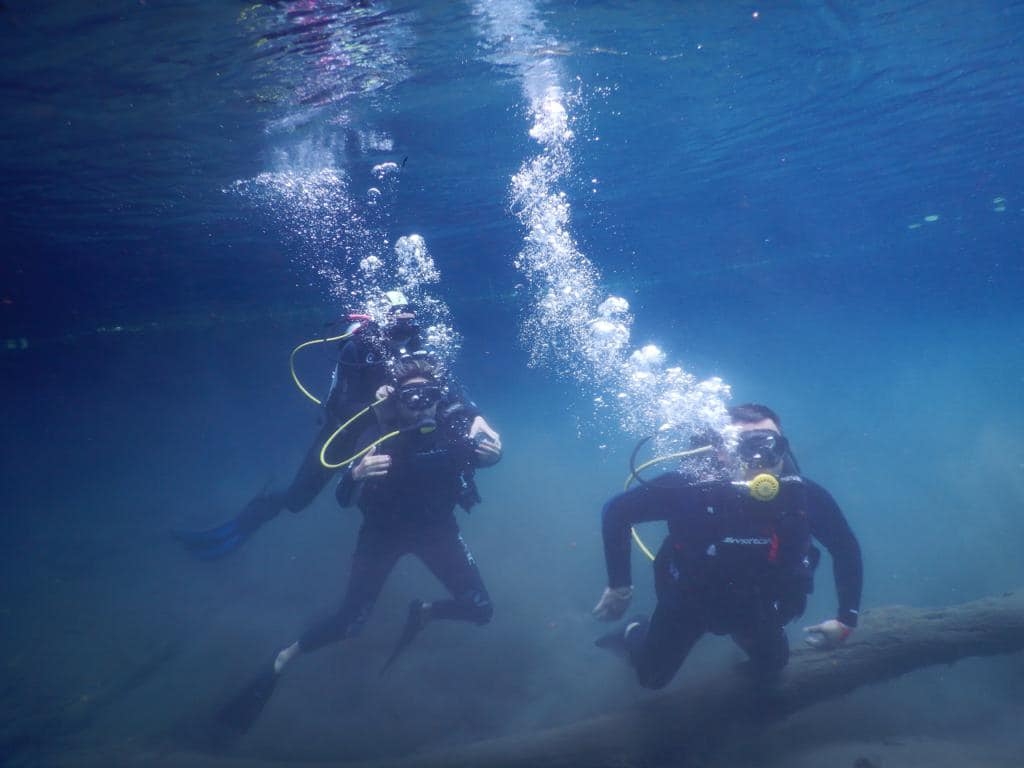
x,y
212,543
241,711
413,624
620,641
614,641
227,537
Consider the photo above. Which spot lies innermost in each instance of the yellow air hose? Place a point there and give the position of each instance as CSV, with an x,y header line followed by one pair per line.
x,y
658,460
367,449
327,443
311,342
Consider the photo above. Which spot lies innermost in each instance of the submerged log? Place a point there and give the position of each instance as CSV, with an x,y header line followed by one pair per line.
x,y
667,729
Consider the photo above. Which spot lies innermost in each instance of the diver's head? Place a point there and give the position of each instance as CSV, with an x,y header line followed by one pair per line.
x,y
761,446
400,320
417,391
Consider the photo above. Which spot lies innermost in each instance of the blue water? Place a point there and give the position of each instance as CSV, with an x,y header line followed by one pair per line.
x,y
819,202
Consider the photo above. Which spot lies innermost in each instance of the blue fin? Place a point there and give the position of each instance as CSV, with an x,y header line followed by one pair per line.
x,y
227,537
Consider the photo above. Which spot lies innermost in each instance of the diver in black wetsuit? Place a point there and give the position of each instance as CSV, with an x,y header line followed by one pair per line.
x,y
363,368
413,466
738,559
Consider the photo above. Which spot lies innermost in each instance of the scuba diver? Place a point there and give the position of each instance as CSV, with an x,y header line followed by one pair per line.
x,y
738,559
367,350
412,467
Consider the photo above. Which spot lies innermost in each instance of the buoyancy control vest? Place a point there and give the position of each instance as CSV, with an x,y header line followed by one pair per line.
x,y
727,545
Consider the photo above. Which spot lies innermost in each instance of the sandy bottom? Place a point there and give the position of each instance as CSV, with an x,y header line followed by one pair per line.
x,y
910,753
813,740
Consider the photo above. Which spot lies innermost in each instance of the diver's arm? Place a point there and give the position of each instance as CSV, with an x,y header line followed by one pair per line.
x,y
369,466
648,502
456,408
829,526
615,525
348,489
639,505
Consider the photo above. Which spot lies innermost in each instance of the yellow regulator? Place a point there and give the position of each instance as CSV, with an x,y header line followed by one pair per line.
x,y
764,487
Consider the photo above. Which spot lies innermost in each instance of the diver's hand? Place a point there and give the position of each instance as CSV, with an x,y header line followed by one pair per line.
x,y
828,634
481,427
383,391
486,452
371,465
613,603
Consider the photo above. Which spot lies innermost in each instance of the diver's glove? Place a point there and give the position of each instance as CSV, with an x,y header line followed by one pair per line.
x,y
613,603
828,634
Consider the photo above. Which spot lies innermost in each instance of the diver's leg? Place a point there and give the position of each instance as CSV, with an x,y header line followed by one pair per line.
x,y
658,649
310,479
763,638
312,475
768,649
376,554
449,559
373,560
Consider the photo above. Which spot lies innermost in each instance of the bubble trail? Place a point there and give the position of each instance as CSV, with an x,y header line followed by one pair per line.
x,y
323,55
573,326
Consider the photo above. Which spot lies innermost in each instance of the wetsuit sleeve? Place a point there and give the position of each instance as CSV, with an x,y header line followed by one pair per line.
x,y
829,526
639,505
348,490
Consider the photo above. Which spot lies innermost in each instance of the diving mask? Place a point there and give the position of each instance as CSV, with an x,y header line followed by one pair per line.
x,y
419,397
402,328
762,448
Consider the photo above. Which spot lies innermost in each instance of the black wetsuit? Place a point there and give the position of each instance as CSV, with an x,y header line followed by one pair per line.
x,y
730,565
361,370
411,510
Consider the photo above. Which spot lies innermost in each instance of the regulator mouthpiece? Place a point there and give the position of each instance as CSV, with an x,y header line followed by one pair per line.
x,y
763,487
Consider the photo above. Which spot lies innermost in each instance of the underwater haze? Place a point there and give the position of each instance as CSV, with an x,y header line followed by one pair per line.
x,y
616,217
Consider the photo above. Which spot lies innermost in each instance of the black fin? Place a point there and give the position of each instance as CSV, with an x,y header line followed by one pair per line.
x,y
413,624
245,707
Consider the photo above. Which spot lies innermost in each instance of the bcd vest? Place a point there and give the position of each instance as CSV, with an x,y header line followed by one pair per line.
x,y
733,546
